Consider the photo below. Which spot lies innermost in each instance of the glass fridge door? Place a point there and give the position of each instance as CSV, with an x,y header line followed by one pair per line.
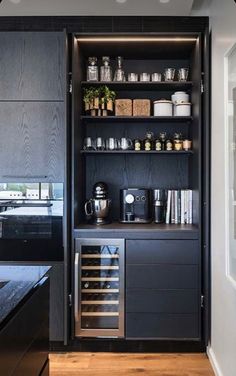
x,y
99,287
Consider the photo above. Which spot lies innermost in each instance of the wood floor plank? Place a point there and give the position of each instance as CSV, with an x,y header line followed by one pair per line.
x,y
117,364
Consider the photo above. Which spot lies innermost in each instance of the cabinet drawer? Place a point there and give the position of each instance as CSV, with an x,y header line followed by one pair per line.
x,y
162,276
162,251
162,301
169,326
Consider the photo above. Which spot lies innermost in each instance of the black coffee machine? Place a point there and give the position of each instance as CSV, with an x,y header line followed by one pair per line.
x,y
135,205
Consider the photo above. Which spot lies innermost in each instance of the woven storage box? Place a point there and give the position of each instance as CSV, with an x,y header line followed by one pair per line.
x,y
141,107
123,107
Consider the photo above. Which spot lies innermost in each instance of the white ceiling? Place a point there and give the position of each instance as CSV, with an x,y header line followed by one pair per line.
x,y
95,7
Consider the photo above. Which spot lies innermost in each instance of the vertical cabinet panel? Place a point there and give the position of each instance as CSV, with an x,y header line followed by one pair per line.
x,y
32,141
32,66
56,328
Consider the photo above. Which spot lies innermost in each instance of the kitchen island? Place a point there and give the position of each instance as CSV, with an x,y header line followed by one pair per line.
x,y
24,320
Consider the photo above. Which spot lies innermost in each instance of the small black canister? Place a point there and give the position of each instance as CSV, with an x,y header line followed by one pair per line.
x,y
159,212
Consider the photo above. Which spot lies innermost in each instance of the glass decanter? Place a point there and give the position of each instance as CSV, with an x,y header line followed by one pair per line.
x,y
105,70
119,73
92,69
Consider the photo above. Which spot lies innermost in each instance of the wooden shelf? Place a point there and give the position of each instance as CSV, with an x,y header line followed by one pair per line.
x,y
137,85
141,152
136,119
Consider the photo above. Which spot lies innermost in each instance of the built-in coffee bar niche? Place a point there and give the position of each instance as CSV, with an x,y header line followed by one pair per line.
x,y
137,186
137,128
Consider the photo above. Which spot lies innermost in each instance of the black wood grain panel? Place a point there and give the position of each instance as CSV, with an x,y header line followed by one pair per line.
x,y
172,326
123,171
78,23
124,24
32,141
162,252
56,302
162,276
162,301
32,66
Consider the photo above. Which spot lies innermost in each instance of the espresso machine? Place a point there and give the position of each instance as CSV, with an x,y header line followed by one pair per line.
x,y
135,205
97,208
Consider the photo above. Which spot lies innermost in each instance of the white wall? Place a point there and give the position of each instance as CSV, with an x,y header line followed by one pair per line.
x,y
222,349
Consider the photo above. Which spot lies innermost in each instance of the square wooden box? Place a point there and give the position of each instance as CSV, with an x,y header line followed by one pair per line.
x,y
123,107
141,107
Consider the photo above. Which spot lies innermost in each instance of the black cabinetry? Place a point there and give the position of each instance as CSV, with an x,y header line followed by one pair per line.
x,y
32,109
24,339
32,66
163,262
162,289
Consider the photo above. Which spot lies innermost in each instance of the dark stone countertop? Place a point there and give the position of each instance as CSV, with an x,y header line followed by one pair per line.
x,y
22,279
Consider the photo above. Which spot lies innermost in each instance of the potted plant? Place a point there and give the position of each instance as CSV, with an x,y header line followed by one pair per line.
x,y
98,100
91,100
107,98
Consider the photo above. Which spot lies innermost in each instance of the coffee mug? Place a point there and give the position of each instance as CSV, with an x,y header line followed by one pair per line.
x,y
126,143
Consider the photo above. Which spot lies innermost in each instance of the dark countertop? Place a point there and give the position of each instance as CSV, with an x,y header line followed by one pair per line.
x,y
22,279
137,231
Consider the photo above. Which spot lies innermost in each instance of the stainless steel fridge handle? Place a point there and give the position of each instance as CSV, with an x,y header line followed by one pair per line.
x,y
77,286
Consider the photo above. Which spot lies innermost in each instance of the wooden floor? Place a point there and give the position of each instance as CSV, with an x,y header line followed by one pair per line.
x,y
110,364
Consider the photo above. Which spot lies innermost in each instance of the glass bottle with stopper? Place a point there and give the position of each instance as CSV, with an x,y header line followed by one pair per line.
x,y
105,70
163,140
148,142
92,69
119,72
178,141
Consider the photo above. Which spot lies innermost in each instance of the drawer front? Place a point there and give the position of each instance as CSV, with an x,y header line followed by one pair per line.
x,y
162,276
162,252
162,301
167,326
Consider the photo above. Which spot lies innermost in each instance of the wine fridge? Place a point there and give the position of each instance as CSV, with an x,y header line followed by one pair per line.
x,y
99,288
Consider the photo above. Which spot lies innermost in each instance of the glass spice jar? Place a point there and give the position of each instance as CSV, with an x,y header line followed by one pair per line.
x,y
178,142
169,144
187,145
137,144
158,144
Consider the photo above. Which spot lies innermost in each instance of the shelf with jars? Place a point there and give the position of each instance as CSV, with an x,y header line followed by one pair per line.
x,y
134,119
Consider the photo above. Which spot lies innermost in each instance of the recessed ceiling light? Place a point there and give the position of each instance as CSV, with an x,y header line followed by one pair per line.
x,y
121,1
164,1
15,1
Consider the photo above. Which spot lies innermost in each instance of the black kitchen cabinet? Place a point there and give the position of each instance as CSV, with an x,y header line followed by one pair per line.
x,y
32,107
32,66
32,141
163,289
164,281
24,339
